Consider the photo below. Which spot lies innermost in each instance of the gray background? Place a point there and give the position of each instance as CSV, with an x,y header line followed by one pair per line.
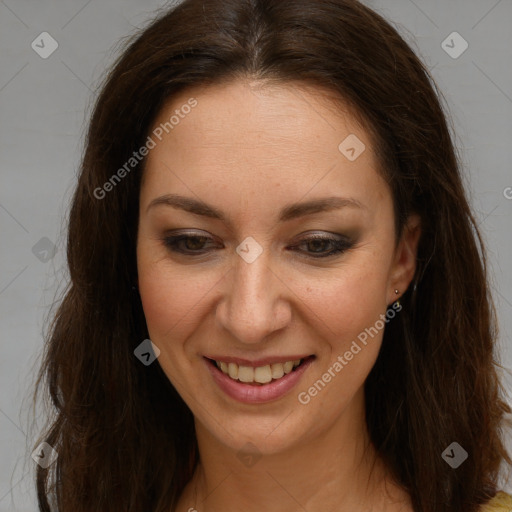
x,y
44,104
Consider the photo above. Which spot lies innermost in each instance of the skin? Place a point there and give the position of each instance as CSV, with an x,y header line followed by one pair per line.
x,y
249,149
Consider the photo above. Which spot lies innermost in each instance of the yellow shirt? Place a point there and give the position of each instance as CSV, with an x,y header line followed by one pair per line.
x,y
502,502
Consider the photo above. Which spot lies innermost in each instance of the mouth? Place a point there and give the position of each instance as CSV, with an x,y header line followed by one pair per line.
x,y
257,384
259,375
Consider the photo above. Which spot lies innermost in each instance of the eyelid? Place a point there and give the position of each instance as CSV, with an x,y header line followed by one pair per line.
x,y
341,243
171,241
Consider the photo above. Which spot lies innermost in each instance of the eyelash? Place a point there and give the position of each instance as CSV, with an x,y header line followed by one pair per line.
x,y
340,245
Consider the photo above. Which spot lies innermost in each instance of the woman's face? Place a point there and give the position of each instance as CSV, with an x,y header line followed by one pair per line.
x,y
254,176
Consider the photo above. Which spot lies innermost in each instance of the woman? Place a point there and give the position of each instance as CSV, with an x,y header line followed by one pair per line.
x,y
277,297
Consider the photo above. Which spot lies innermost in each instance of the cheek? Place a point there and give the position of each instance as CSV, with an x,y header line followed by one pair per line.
x,y
174,303
170,301
170,297
350,332
345,302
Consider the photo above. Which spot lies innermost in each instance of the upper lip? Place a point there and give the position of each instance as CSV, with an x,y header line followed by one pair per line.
x,y
264,361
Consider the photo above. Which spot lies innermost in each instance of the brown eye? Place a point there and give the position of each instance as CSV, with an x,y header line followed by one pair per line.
x,y
195,243
186,244
315,247
318,246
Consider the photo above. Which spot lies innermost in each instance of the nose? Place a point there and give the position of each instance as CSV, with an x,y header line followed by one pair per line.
x,y
255,303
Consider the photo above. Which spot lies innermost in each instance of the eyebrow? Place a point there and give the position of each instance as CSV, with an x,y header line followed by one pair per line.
x,y
289,212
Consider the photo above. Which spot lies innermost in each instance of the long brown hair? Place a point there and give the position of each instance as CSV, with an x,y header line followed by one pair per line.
x,y
124,437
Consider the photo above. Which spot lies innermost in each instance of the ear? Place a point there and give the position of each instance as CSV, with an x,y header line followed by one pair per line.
x,y
404,262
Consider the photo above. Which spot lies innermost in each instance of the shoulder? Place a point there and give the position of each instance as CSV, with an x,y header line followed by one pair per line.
x,y
502,502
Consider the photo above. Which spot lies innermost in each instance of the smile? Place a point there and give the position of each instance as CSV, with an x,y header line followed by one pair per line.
x,y
257,384
260,374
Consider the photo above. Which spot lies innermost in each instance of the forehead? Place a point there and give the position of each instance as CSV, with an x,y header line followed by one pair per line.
x,y
248,136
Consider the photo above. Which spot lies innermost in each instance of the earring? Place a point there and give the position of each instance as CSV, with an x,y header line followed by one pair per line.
x,y
397,292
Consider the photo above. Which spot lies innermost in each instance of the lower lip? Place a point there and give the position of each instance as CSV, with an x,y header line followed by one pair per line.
x,y
256,394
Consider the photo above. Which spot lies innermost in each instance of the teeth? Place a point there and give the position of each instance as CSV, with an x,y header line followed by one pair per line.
x,y
261,374
233,370
288,366
277,371
245,374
